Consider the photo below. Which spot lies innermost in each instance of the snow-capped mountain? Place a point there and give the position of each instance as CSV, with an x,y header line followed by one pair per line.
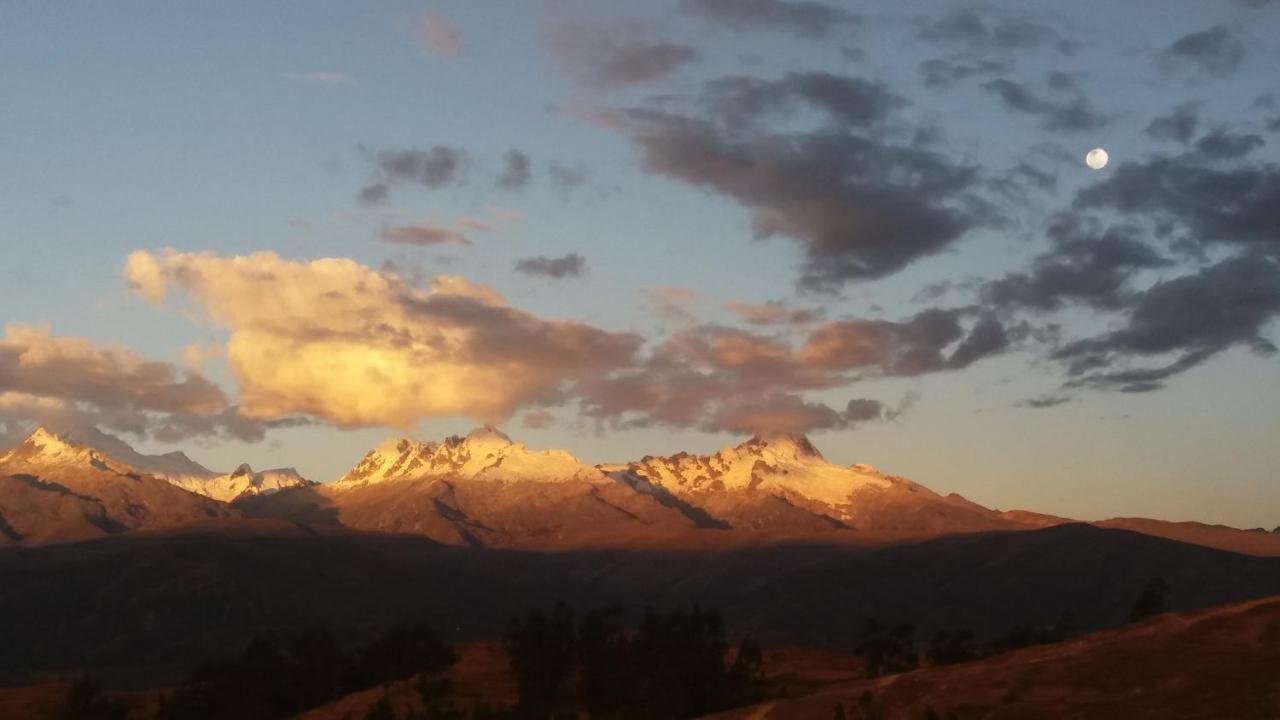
x,y
483,454
244,482
54,490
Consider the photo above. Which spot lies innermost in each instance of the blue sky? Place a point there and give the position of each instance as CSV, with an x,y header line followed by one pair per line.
x,y
220,130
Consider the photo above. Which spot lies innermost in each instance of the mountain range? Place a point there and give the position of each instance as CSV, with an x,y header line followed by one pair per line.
x,y
485,490
150,561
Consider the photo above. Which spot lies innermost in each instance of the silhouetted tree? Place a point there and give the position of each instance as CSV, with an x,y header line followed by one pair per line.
x,y
381,710
838,713
746,676
85,700
1155,594
866,708
541,650
948,647
605,656
887,651
680,662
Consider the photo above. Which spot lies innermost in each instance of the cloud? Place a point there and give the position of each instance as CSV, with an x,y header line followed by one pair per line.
x,y
423,234
738,100
670,304
556,268
1216,51
1237,205
538,420
565,179
942,73
337,340
1222,144
72,381
515,171
1180,124
966,28
776,414
322,78
606,57
859,205
433,168
1193,316
1072,114
1087,264
805,19
772,312
438,35
930,341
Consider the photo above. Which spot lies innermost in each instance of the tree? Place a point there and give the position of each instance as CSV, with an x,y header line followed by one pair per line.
x,y
86,700
605,657
838,713
887,651
1152,601
541,649
381,710
950,647
746,676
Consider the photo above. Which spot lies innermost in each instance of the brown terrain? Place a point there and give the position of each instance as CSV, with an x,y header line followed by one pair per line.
x,y
1213,663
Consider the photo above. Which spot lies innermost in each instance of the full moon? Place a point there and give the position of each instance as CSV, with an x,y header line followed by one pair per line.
x,y
1096,159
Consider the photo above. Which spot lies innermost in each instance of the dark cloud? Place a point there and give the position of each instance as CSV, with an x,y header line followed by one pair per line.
x,y
374,194
1180,124
736,101
728,379
1086,265
941,73
71,381
1223,144
799,17
423,234
433,168
1216,51
565,179
1237,205
1193,316
914,346
612,56
860,206
516,171
967,28
1047,400
1073,114
566,266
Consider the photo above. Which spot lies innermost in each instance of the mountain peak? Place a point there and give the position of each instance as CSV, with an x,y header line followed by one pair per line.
x,y
793,445
488,433
243,470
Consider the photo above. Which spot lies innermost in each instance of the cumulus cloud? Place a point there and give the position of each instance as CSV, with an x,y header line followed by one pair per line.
x,y
612,56
1193,317
859,205
734,380
798,17
670,304
1216,52
340,341
1223,144
438,35
71,381
1087,264
556,268
942,73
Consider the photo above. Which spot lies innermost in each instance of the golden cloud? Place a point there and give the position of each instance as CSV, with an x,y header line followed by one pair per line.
x,y
341,341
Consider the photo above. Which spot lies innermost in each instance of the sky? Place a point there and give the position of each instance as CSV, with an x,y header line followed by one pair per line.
x,y
279,233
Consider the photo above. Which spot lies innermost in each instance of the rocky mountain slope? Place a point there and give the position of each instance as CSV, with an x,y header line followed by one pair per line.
x,y
52,491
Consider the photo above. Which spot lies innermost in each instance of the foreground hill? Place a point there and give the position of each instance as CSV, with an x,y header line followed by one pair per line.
x,y
1212,664
162,599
